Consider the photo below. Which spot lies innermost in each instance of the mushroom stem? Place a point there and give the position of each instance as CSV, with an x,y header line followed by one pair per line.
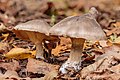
x,y
39,50
37,38
77,48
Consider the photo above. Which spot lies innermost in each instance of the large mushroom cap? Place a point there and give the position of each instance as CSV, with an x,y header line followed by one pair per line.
x,y
34,25
84,26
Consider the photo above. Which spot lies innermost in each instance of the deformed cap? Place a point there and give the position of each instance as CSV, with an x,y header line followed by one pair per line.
x,y
93,12
38,25
84,26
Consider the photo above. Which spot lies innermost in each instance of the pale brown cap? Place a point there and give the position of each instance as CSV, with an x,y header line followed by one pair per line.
x,y
38,25
84,26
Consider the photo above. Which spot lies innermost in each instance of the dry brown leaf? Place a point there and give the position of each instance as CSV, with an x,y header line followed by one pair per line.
x,y
103,62
7,19
4,47
28,78
51,75
9,75
19,53
112,49
117,40
5,37
2,27
117,24
37,78
103,43
72,13
65,41
104,77
115,69
33,5
41,67
3,4
59,4
113,31
14,65
108,51
89,69
65,45
56,51
98,67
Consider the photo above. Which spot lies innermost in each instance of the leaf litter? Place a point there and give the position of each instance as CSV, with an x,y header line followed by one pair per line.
x,y
100,60
104,65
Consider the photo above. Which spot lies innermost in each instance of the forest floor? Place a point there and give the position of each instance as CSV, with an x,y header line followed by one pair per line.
x,y
17,57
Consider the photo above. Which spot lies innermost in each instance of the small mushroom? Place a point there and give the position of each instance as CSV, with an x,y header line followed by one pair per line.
x,y
78,28
34,31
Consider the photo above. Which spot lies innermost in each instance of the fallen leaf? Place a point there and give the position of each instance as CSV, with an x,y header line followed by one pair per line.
x,y
65,45
2,27
89,69
103,77
113,31
14,65
37,78
103,43
115,48
76,3
103,63
5,35
4,47
117,40
115,69
40,67
112,50
7,19
33,5
59,4
10,75
19,53
51,75
117,24
72,13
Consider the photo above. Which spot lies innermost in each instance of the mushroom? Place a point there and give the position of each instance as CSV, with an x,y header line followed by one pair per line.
x,y
34,31
78,29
